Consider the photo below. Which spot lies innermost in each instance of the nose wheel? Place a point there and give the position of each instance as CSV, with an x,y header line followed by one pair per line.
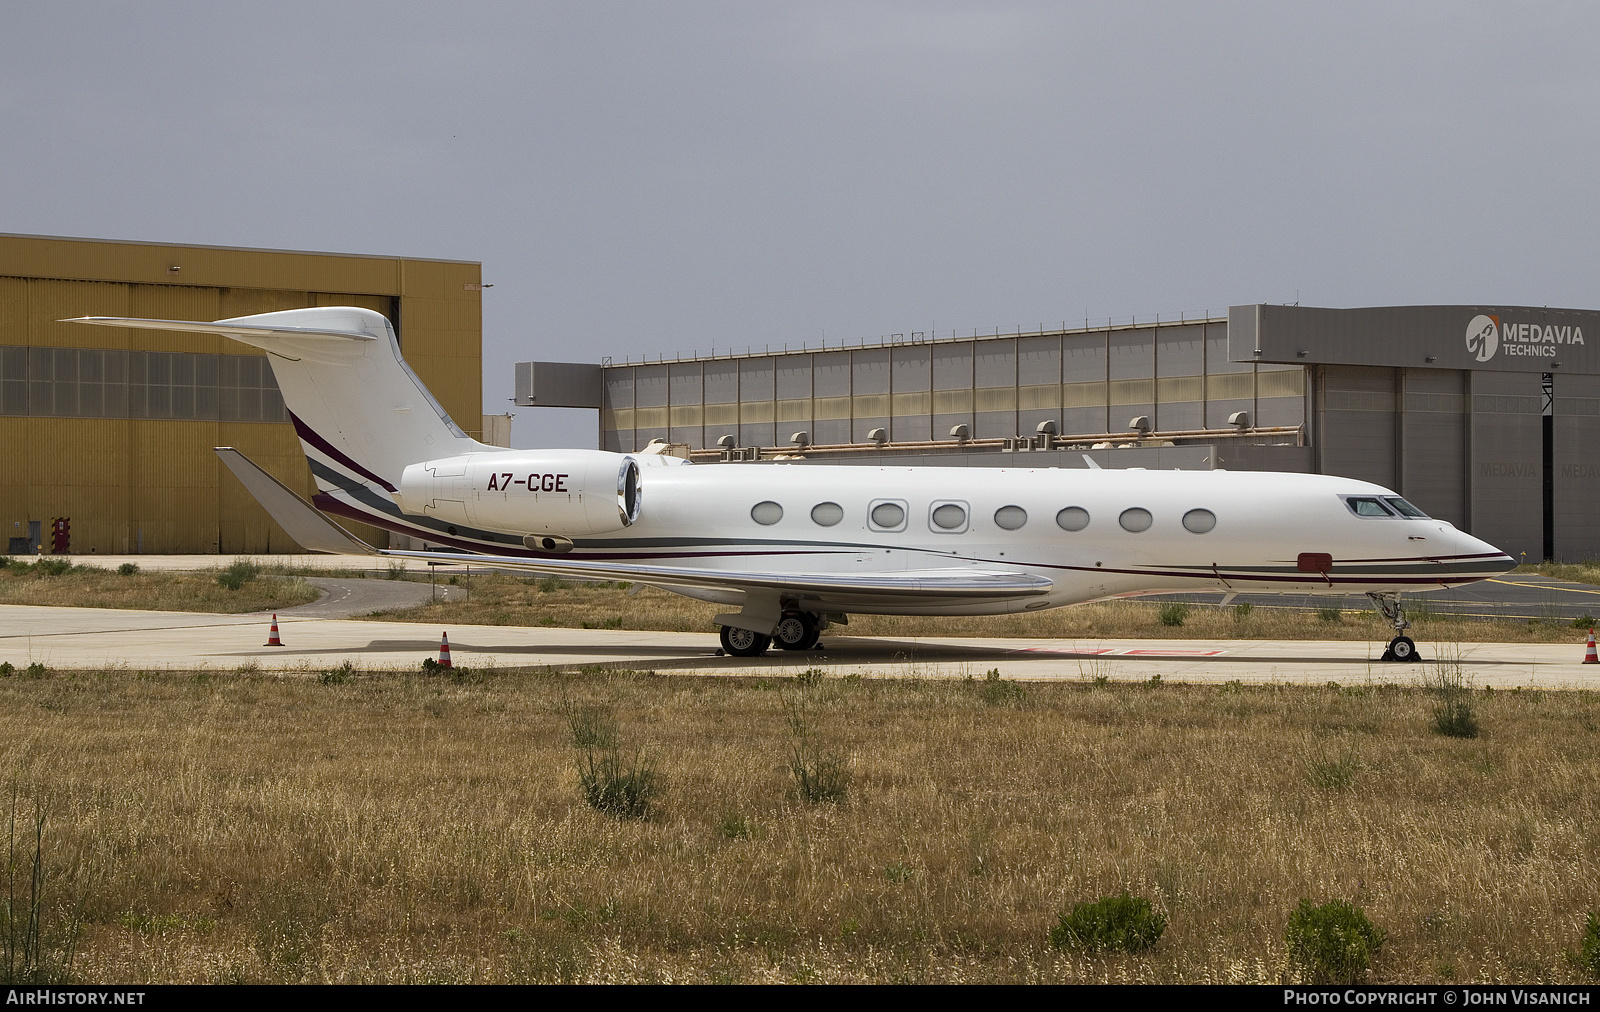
x,y
1402,648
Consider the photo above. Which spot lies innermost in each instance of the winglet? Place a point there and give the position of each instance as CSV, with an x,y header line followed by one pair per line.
x,y
314,532
1092,464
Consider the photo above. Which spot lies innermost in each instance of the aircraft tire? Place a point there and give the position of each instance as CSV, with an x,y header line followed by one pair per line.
x,y
797,630
1402,648
743,642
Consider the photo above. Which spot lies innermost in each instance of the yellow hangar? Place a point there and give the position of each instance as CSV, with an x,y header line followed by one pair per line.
x,y
111,429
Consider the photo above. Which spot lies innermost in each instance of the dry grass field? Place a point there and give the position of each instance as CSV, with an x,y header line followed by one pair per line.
x,y
238,827
59,583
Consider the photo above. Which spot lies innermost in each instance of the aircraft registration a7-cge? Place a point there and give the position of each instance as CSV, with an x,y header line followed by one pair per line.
x,y
790,549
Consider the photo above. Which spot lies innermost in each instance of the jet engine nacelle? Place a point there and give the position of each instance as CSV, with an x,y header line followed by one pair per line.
x,y
569,493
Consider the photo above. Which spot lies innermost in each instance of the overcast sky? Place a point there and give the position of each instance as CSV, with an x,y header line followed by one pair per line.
x,y
639,178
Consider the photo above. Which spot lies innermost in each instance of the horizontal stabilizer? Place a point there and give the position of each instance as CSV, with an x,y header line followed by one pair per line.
x,y
920,585
314,532
226,328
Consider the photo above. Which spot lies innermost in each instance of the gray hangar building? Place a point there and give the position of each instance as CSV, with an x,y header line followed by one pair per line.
x,y
1485,416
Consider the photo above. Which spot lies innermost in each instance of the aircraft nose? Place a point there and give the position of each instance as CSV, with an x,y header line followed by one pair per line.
x,y
1489,560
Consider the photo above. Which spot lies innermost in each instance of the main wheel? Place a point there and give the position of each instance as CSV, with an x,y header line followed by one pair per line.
x,y
797,630
743,642
1403,648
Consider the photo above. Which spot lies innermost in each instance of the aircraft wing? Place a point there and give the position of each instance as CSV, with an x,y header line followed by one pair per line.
x,y
928,584
317,533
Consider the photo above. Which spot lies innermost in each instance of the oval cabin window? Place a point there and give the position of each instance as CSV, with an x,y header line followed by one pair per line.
x,y
949,517
1010,517
1135,520
1073,518
888,514
826,514
766,513
1199,521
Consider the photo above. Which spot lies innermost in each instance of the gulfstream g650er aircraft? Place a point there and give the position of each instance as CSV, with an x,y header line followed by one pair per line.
x,y
791,549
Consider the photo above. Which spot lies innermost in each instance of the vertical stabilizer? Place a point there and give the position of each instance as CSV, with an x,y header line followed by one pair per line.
x,y
361,413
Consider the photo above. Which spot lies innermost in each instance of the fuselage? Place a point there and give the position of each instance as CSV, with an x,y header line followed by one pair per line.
x,y
1094,534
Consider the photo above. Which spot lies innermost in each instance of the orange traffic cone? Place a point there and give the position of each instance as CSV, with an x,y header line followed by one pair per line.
x,y
273,640
1589,656
444,650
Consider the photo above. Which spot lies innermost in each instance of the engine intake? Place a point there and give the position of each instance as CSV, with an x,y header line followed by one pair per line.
x,y
557,493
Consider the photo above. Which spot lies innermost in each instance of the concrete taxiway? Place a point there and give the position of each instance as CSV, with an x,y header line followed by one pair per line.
x,y
83,638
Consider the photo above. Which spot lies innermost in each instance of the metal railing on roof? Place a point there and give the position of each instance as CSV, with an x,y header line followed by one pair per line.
x,y
1132,438
916,338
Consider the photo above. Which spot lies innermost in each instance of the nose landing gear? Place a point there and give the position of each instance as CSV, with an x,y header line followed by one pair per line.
x,y
1402,648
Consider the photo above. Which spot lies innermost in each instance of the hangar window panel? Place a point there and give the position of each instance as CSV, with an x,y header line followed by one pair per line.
x,y
1180,378
650,404
994,363
831,374
911,377
228,388
686,395
66,383
1131,354
650,386
1230,386
827,430
1217,363
1038,359
41,385
272,407
616,411
182,385
912,368
1180,351
115,363
13,381
756,385
793,377
91,383
1084,394
721,382
205,385
869,371
792,385
952,367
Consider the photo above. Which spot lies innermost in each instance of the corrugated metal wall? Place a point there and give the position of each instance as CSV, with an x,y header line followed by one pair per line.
x,y
1088,381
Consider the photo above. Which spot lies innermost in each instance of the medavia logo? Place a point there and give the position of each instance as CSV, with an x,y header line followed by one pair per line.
x,y
1483,337
1487,335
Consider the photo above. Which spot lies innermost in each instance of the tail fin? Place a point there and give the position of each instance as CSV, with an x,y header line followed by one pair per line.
x,y
361,413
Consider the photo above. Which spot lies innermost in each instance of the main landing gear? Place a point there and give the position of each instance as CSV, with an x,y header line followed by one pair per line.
x,y
1402,647
796,630
744,642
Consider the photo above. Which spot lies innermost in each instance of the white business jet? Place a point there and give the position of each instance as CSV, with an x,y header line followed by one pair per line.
x,y
791,549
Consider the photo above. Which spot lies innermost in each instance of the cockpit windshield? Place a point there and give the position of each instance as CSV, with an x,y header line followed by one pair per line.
x,y
1367,506
1404,508
1390,506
